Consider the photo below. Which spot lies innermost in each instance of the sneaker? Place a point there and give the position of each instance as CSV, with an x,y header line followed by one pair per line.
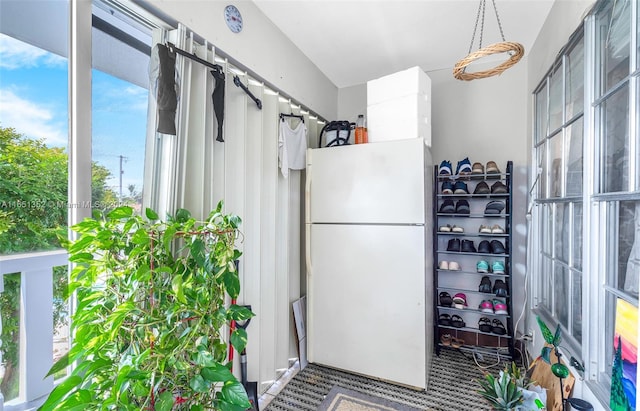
x,y
445,168
457,229
482,266
486,306
496,229
447,187
443,265
485,285
499,188
460,187
454,245
464,166
497,267
484,247
468,247
492,168
482,188
460,301
484,229
497,247
445,228
447,207
462,207
500,289
477,168
494,207
499,307
453,266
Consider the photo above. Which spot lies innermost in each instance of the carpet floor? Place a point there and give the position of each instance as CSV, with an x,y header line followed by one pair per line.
x,y
452,386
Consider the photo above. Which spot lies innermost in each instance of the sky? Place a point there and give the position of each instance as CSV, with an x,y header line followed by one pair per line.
x,y
34,101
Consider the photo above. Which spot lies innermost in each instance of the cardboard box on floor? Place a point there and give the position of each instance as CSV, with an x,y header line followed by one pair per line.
x,y
540,374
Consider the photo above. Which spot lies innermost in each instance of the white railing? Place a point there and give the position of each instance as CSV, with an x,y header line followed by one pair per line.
x,y
36,321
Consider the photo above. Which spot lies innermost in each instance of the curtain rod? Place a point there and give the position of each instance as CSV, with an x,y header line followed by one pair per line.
x,y
153,10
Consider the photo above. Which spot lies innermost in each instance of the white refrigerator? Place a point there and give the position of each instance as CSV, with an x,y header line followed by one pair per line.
x,y
369,259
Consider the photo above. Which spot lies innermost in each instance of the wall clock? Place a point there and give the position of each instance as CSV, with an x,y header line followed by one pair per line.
x,y
233,18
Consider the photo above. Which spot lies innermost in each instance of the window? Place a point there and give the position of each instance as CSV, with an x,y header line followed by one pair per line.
x,y
587,234
559,154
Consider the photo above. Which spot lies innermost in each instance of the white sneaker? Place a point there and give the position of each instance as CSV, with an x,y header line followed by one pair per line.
x,y
453,266
445,228
457,229
485,229
443,265
496,229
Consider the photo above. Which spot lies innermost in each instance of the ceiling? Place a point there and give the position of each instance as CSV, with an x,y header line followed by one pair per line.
x,y
354,41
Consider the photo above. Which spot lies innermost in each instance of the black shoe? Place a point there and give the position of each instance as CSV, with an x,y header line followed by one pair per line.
x,y
468,247
484,325
497,247
454,245
481,188
484,247
445,299
460,187
485,285
444,319
447,187
500,289
499,188
497,327
447,207
494,207
462,207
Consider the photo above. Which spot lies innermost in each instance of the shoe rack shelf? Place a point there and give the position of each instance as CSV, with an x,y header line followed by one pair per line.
x,y
467,279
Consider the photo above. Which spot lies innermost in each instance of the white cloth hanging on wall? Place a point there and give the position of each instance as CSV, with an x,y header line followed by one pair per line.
x,y
292,147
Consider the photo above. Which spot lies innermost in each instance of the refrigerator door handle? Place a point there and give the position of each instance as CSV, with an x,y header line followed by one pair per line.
x,y
307,252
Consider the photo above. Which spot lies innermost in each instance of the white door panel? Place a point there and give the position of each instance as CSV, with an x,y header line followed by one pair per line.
x,y
380,182
366,301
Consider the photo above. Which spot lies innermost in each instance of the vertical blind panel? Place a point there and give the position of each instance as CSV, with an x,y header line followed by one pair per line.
x,y
268,218
251,223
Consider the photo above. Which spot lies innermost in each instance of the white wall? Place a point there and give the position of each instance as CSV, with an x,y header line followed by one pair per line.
x,y
351,102
260,46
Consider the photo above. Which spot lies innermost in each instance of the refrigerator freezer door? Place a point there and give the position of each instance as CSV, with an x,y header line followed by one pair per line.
x,y
367,183
367,315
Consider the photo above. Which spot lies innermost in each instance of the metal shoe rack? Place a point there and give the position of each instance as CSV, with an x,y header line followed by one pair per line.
x,y
469,337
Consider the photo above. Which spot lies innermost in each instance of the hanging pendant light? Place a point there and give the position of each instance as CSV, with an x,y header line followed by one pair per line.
x,y
515,51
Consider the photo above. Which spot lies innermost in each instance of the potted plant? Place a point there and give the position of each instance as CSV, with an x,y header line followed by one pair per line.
x,y
150,314
503,392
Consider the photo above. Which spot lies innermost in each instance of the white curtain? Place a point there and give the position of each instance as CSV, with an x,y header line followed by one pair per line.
x,y
194,171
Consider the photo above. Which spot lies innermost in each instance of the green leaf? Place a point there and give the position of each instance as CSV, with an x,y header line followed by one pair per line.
x,y
81,243
197,251
239,339
167,237
233,392
120,213
151,215
182,215
86,225
198,384
232,283
546,333
197,408
81,257
60,365
205,359
560,370
176,286
140,237
164,401
217,373
60,392
239,313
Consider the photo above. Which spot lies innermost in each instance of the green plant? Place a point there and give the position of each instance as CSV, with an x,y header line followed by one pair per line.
x,y
150,313
502,392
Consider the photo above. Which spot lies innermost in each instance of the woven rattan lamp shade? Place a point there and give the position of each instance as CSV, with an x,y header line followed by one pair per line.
x,y
459,71
515,51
